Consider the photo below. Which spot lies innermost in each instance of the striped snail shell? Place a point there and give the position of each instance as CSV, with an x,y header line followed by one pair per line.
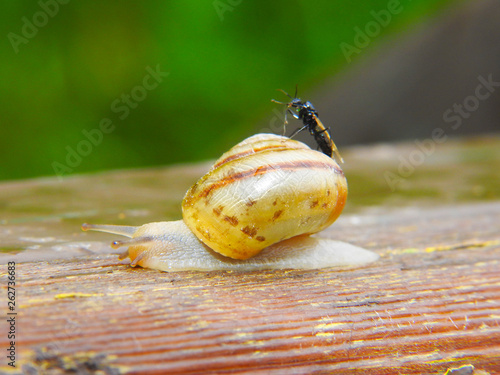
x,y
265,190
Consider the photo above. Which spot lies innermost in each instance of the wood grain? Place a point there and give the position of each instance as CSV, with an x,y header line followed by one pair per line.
x,y
415,311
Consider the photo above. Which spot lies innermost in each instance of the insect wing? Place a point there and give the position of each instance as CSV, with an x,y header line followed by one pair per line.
x,y
321,129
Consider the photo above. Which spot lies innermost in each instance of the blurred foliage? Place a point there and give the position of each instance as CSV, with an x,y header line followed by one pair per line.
x,y
225,59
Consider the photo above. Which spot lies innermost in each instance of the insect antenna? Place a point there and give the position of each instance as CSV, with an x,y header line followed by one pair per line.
x,y
284,92
287,109
275,101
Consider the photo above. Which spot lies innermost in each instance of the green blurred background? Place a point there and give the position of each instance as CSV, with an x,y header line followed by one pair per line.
x,y
225,59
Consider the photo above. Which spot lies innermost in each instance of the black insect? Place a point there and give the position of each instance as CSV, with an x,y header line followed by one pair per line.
x,y
305,111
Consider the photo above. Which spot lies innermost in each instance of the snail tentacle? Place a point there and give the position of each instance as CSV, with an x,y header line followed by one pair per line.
x,y
122,230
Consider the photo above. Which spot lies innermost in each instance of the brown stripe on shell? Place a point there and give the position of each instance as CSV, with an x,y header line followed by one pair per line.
x,y
302,164
284,146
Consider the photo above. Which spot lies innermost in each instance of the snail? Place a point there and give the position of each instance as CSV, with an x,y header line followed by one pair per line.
x,y
254,209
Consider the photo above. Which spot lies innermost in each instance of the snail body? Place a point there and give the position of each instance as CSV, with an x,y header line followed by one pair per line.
x,y
254,209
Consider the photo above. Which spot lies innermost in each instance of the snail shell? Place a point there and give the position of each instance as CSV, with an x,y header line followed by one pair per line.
x,y
263,191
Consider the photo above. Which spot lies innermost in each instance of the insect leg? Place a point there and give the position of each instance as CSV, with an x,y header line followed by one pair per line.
x,y
295,116
298,131
324,130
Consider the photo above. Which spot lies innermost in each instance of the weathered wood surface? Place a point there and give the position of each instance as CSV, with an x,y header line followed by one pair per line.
x,y
430,303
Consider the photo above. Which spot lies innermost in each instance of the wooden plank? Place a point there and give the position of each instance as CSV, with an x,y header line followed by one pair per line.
x,y
418,310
